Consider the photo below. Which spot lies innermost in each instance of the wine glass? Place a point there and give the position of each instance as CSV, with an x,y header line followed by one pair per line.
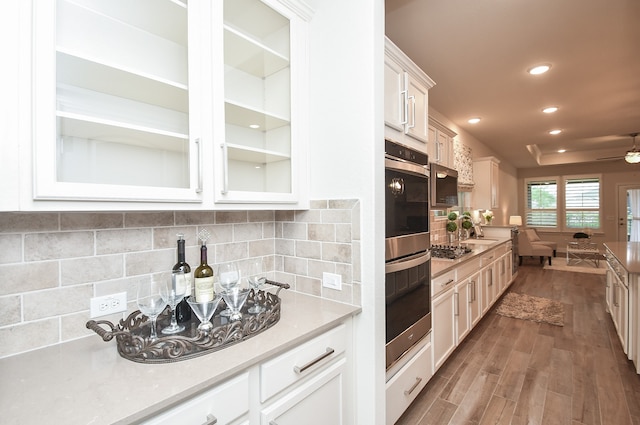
x,y
204,310
173,289
235,297
228,277
150,302
257,280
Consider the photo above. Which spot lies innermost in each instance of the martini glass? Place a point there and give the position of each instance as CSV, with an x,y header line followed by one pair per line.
x,y
150,302
235,298
204,310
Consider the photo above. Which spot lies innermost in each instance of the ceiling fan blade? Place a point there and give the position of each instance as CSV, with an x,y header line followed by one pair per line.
x,y
610,158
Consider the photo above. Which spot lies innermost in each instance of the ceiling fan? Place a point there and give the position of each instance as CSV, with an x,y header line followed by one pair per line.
x,y
632,156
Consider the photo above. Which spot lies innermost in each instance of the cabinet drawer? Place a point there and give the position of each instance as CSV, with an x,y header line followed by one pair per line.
x,y
442,282
296,364
489,257
405,385
224,402
467,268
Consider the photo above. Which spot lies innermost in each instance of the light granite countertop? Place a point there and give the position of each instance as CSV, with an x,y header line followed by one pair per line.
x,y
87,382
627,253
440,266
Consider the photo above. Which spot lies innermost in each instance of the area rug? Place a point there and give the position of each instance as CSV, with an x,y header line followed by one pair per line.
x,y
527,307
561,264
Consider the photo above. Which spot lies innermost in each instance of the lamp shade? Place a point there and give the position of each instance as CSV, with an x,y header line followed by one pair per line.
x,y
515,220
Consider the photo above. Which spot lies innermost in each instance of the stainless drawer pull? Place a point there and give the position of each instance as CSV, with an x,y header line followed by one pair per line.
x,y
415,385
298,369
446,283
211,420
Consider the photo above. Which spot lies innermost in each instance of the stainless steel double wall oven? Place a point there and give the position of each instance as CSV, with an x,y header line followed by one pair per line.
x,y
408,260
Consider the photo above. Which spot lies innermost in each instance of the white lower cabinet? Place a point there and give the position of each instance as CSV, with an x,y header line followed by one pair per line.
x,y
318,401
227,403
405,385
443,328
309,384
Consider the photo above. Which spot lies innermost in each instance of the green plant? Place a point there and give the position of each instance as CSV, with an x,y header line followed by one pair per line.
x,y
452,226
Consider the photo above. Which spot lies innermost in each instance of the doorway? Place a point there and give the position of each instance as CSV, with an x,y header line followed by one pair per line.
x,y
629,213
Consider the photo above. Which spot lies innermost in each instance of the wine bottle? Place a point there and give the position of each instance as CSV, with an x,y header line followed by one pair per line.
x,y
203,278
183,311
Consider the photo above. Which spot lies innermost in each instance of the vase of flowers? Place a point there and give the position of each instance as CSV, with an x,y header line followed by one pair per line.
x,y
488,216
452,226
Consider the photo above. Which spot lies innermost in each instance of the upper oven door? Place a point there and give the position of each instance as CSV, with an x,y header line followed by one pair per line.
x,y
406,198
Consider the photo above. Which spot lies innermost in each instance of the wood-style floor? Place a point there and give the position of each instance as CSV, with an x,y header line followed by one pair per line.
x,y
511,371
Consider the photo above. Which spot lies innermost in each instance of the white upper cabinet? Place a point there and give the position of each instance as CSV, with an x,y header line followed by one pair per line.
x,y
260,152
116,90
406,99
440,143
167,104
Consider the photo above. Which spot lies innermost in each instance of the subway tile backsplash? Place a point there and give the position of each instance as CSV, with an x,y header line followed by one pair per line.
x,y
51,264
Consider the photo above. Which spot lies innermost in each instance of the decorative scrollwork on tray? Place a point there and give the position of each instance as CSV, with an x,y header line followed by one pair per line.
x,y
133,333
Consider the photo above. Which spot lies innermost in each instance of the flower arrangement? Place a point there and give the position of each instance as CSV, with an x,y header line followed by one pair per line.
x,y
488,216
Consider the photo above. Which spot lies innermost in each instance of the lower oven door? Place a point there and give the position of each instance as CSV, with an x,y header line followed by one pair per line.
x,y
408,304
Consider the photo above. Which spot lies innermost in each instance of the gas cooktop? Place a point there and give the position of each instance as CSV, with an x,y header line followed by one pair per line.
x,y
449,252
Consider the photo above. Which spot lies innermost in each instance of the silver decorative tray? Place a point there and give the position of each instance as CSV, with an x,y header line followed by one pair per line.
x,y
132,334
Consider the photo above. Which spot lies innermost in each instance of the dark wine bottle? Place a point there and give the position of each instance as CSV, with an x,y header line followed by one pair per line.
x,y
203,278
183,311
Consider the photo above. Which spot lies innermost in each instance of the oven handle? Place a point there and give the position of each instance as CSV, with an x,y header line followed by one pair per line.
x,y
407,263
408,167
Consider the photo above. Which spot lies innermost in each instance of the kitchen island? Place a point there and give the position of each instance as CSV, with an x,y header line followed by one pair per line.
x,y
87,382
622,295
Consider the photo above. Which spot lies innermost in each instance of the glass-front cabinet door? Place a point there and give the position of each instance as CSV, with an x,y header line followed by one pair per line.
x,y
262,146
117,89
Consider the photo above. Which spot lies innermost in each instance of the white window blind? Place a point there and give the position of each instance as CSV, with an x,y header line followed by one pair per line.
x,y
582,203
542,203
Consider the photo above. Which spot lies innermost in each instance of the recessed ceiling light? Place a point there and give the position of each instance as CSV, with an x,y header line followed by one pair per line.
x,y
475,120
254,126
539,69
556,131
550,109
562,150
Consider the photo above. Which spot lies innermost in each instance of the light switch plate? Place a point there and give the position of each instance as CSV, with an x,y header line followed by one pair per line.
x,y
108,304
332,280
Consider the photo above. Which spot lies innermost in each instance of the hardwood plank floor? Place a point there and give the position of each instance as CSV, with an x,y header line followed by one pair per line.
x,y
516,372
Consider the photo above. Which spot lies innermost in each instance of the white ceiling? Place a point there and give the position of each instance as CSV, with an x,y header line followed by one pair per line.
x,y
478,51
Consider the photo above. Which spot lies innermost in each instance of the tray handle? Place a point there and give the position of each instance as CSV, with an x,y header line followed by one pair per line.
x,y
106,335
280,285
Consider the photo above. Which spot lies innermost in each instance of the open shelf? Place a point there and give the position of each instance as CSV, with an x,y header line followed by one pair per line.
x,y
244,116
97,107
88,128
242,52
99,38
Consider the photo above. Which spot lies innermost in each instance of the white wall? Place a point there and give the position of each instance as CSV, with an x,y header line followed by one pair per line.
x,y
346,156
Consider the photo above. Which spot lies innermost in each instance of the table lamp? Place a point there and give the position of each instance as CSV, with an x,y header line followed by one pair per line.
x,y
515,220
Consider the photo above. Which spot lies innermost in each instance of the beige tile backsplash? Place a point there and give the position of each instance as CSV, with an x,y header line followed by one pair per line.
x,y
51,264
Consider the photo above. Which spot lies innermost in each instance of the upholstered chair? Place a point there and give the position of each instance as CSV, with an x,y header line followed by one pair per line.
x,y
534,238
527,248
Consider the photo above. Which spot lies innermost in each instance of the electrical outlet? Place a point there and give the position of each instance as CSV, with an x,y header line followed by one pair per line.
x,y
108,304
435,237
331,280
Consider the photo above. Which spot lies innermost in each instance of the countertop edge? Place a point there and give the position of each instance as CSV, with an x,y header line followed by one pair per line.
x,y
86,381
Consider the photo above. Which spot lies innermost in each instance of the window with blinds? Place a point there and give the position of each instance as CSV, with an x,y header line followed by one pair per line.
x,y
582,203
542,203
